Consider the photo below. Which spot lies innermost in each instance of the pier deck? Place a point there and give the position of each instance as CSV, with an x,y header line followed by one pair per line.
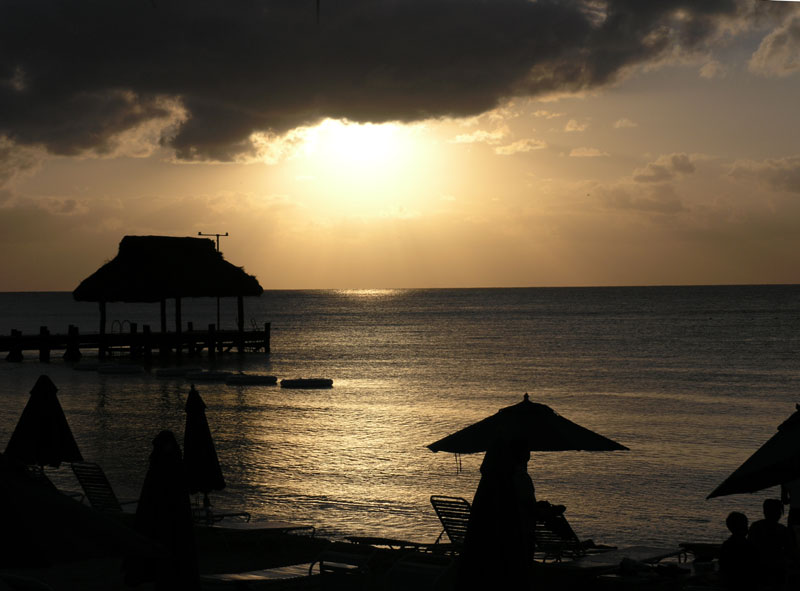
x,y
134,344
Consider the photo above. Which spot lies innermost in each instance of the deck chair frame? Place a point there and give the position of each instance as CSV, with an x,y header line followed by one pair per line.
x,y
453,513
556,540
97,488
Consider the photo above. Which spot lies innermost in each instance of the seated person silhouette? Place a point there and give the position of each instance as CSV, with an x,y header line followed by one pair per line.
x,y
772,544
736,556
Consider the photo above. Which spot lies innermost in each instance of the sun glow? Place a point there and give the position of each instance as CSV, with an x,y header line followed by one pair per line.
x,y
364,169
354,144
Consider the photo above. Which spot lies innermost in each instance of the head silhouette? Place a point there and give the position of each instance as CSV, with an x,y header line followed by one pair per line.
x,y
773,509
737,523
165,449
518,448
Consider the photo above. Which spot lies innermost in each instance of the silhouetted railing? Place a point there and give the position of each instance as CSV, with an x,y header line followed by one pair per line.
x,y
135,343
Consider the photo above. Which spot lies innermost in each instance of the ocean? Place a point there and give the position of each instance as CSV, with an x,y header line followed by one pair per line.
x,y
691,379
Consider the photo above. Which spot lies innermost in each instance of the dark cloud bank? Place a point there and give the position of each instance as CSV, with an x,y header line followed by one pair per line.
x,y
75,74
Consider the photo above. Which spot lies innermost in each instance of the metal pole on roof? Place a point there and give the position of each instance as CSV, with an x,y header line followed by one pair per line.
x,y
218,236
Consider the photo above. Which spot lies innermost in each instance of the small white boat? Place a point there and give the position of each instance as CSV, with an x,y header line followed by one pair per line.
x,y
208,375
251,379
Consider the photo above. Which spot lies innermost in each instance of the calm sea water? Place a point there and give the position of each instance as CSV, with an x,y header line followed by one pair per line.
x,y
691,379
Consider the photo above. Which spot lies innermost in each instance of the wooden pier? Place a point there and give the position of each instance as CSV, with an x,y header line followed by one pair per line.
x,y
135,344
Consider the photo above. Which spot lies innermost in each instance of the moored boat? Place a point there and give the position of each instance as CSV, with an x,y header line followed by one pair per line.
x,y
248,379
301,383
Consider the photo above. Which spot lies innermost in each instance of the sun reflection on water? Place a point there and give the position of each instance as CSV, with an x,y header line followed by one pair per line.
x,y
370,293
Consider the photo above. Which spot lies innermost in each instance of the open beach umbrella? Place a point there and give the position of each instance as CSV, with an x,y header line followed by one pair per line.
x,y
203,472
776,462
539,425
42,436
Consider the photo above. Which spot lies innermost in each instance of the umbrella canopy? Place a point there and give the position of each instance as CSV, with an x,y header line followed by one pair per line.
x,y
42,435
203,472
776,462
538,424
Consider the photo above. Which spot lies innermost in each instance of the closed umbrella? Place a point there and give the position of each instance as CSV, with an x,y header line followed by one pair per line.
x,y
42,436
776,462
203,472
538,425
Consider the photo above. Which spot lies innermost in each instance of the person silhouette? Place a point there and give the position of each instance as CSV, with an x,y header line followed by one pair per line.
x,y
498,545
164,515
771,543
790,495
736,555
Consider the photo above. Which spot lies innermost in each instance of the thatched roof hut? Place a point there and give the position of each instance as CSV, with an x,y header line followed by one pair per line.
x,y
153,268
157,268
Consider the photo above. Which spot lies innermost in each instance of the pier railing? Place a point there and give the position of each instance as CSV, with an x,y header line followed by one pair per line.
x,y
134,343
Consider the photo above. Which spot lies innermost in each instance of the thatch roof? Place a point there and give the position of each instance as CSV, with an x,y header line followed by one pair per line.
x,y
152,268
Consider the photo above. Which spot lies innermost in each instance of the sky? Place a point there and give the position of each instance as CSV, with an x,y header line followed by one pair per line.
x,y
405,143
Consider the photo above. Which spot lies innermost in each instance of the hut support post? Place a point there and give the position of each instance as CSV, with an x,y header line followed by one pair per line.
x,y
240,312
178,322
15,347
163,349
101,345
134,340
190,342
147,342
44,344
212,341
72,352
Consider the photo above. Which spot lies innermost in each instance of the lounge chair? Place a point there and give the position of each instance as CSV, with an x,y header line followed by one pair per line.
x,y
556,540
38,475
337,568
210,516
97,488
453,513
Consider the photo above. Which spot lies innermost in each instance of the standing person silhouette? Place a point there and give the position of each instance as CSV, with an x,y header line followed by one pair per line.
x,y
164,514
498,546
772,545
790,495
736,555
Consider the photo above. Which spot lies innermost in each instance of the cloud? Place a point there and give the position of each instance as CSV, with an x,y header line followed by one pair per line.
x,y
480,135
17,162
524,145
779,52
587,153
659,200
713,69
74,76
573,125
547,114
624,123
665,168
782,174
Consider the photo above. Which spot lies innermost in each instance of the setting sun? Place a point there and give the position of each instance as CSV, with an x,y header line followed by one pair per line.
x,y
363,169
343,143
